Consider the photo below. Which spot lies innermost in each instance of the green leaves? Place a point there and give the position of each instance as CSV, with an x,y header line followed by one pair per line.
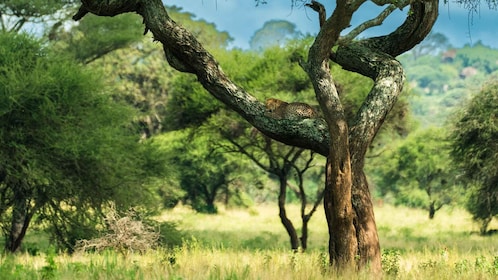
x,y
15,13
418,171
64,138
96,36
203,169
475,150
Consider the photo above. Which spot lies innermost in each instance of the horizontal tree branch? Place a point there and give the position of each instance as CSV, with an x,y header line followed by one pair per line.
x,y
185,53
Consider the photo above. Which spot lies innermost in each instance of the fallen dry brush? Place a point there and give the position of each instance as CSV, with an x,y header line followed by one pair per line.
x,y
125,234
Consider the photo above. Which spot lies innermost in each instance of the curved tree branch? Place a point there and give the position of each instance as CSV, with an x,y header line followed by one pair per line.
x,y
186,54
421,17
373,22
374,58
388,76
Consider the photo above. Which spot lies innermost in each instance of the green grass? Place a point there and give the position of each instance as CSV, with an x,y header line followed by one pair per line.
x,y
252,244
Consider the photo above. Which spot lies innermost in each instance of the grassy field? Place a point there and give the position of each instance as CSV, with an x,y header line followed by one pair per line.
x,y
252,244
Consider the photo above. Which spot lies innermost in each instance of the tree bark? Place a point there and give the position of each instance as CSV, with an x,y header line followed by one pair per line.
x,y
369,253
186,54
343,245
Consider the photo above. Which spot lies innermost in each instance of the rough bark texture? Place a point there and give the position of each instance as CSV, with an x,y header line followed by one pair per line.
x,y
343,245
374,58
348,205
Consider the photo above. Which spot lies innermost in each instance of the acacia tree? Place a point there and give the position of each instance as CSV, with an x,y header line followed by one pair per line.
x,y
417,171
279,160
67,150
474,150
348,205
14,14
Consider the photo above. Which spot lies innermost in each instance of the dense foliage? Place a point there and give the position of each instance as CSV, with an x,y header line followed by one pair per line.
x,y
475,150
441,78
203,171
66,148
15,14
417,172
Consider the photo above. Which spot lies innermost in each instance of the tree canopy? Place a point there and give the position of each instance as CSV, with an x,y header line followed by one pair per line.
x,y
273,33
475,150
418,171
64,143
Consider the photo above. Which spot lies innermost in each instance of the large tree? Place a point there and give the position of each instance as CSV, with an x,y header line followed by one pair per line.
x,y
348,205
66,148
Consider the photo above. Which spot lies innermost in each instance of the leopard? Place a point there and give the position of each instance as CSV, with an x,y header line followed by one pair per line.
x,y
279,109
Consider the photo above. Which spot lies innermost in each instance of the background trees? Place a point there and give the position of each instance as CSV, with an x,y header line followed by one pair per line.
x,y
418,172
444,78
475,150
106,36
201,169
274,33
14,14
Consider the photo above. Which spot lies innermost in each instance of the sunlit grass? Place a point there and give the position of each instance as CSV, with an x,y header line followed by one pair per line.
x,y
252,244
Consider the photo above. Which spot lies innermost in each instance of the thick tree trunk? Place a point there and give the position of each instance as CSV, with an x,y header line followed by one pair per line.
x,y
282,213
366,229
343,245
339,213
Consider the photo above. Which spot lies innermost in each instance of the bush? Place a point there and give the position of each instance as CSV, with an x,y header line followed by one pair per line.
x,y
391,262
169,235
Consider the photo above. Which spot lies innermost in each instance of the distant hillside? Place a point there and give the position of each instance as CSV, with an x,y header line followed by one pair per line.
x,y
442,78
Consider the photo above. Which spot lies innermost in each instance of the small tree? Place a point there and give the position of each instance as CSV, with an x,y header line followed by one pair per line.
x,y
278,160
203,172
475,150
418,172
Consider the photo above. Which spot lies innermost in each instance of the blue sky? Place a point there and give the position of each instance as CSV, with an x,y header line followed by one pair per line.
x,y
241,18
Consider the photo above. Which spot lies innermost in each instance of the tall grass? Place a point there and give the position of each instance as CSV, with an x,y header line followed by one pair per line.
x,y
252,244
